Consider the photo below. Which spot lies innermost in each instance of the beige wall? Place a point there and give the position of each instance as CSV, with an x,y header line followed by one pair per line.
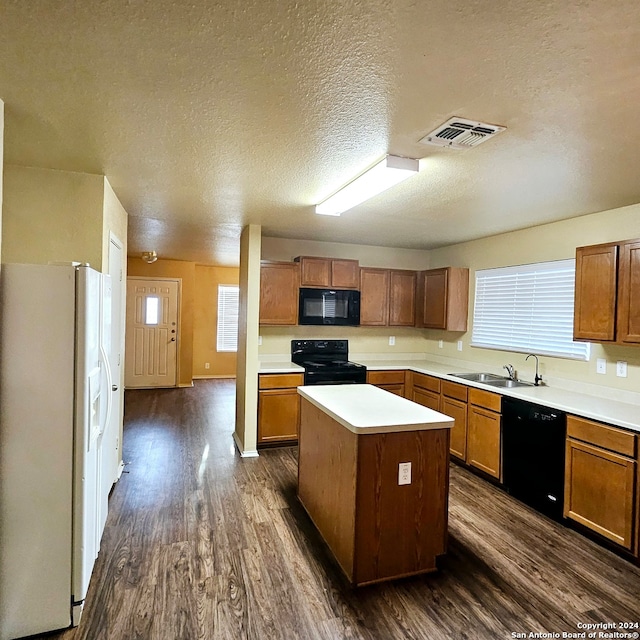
x,y
362,340
185,271
546,242
52,216
368,256
205,322
246,433
553,241
1,166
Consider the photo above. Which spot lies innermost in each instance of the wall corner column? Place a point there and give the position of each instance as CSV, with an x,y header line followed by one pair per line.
x,y
246,431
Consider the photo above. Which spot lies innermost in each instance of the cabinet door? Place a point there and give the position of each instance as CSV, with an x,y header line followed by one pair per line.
x,y
402,298
315,272
434,299
278,415
595,293
374,297
443,299
345,274
426,398
483,440
600,490
279,285
629,293
458,411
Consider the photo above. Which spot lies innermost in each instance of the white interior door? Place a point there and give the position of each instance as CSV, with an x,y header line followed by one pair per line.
x,y
115,342
152,333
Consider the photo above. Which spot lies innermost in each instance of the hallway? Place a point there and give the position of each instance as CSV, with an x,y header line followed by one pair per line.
x,y
202,544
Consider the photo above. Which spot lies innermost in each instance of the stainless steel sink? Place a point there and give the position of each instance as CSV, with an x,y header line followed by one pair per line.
x,y
479,377
508,383
492,379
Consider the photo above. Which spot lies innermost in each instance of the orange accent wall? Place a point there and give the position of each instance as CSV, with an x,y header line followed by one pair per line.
x,y
205,322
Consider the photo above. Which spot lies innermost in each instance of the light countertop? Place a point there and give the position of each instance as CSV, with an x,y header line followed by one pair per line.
x,y
365,409
595,407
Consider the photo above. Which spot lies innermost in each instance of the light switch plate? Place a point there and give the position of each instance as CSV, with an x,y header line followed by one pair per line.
x,y
404,473
601,365
621,369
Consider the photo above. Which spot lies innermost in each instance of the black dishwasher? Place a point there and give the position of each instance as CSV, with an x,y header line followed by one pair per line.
x,y
533,444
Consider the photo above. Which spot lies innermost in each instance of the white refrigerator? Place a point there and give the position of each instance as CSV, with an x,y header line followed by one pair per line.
x,y
55,397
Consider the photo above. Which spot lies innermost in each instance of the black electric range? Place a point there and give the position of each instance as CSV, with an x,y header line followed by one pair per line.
x,y
327,362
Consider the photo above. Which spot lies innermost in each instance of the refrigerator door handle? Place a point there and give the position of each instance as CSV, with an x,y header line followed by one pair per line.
x,y
109,385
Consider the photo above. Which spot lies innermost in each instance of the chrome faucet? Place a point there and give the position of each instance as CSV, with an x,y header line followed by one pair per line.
x,y
511,371
538,379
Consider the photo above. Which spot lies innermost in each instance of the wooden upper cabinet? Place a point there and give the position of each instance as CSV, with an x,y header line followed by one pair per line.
x,y
443,299
387,297
374,297
345,274
629,293
607,293
279,285
402,298
328,272
596,293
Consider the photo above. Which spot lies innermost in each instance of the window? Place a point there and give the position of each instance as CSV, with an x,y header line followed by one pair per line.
x,y
528,309
228,295
151,310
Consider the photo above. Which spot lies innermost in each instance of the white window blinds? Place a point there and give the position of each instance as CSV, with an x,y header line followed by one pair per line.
x,y
228,296
527,308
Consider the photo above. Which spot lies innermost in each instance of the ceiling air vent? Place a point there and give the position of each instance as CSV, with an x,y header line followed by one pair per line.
x,y
458,133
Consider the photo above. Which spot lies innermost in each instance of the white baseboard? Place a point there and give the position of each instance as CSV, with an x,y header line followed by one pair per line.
x,y
244,454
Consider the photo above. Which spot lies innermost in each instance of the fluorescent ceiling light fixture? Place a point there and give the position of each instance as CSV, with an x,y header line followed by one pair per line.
x,y
383,175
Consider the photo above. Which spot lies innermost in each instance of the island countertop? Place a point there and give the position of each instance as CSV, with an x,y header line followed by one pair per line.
x,y
365,409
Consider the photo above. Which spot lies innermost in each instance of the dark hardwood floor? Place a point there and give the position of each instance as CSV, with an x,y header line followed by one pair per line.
x,y
202,544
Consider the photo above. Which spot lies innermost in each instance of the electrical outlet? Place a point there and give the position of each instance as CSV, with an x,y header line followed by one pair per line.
x,y
621,369
404,473
440,344
459,345
601,365
392,341
259,340
206,365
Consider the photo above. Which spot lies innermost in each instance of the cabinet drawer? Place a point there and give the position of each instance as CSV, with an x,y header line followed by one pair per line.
x,y
454,390
385,377
622,442
486,399
426,382
280,380
426,398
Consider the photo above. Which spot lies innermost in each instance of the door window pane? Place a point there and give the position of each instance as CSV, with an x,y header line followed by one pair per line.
x,y
152,308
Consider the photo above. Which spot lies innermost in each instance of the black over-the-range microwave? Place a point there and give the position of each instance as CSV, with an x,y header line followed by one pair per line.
x,y
329,306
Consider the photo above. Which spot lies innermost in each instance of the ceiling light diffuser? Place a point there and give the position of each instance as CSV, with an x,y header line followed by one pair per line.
x,y
383,175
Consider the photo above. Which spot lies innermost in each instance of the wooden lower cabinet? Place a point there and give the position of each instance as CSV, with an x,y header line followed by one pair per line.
x,y
348,483
458,411
425,390
484,432
278,408
601,477
390,380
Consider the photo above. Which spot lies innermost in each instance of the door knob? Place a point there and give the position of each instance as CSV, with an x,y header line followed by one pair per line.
x,y
114,387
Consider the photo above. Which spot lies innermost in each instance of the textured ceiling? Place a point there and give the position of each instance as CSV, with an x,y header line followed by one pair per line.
x,y
208,116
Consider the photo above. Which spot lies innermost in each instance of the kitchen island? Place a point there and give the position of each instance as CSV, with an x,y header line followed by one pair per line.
x,y
373,475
